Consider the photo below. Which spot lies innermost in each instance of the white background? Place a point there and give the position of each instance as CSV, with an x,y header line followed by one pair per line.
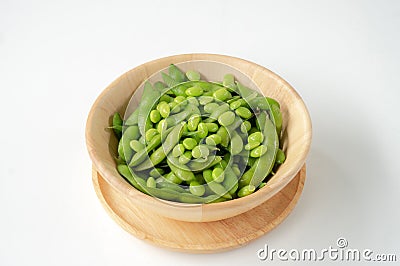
x,y
56,57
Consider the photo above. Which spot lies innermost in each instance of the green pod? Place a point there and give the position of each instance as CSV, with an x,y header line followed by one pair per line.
x,y
263,165
172,186
132,119
210,161
176,74
236,145
190,198
141,155
179,117
165,98
260,121
230,181
156,172
219,190
219,111
124,149
163,193
135,181
223,133
236,123
214,186
229,81
182,172
159,86
160,154
169,80
171,177
151,182
226,118
117,125
149,97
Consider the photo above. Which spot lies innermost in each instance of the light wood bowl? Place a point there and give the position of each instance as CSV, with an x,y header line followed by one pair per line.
x,y
296,132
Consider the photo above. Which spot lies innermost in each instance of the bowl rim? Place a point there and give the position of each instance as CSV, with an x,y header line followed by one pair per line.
x,y
120,184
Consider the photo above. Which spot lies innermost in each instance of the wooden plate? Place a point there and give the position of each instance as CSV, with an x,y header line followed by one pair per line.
x,y
199,237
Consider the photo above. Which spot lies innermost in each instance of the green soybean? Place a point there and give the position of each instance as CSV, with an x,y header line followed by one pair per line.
x,y
256,137
210,107
218,175
226,118
236,144
194,91
150,134
245,126
155,116
196,188
251,145
213,139
259,151
185,157
164,109
136,145
222,94
200,151
189,143
193,122
212,127
246,190
203,100
151,182
280,157
202,130
244,112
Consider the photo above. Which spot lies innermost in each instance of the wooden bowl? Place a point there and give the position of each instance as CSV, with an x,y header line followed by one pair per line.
x,y
296,137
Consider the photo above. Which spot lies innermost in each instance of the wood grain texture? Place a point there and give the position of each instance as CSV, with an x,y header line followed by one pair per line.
x,y
199,237
102,144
